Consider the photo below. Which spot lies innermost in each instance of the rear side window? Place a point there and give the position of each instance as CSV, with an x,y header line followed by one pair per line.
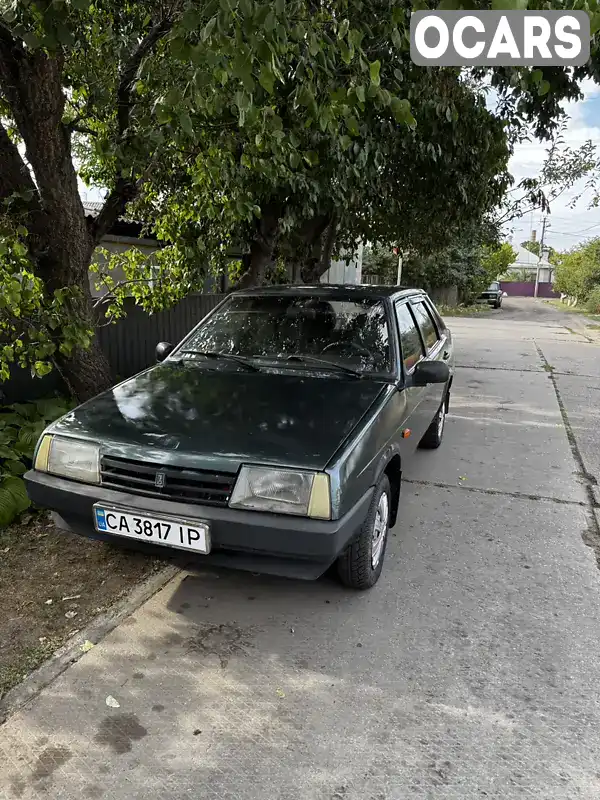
x,y
441,325
410,341
426,324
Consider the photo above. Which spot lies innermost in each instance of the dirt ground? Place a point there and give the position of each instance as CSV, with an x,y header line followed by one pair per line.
x,y
51,585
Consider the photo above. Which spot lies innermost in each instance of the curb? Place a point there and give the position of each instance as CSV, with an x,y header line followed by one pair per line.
x,y
71,651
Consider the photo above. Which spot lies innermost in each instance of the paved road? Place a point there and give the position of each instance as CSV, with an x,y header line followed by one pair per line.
x,y
470,671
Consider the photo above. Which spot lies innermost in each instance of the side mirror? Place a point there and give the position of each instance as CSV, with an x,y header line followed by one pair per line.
x,y
430,372
162,350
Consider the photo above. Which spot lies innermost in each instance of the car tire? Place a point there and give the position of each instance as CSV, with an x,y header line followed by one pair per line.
x,y
360,565
432,438
498,303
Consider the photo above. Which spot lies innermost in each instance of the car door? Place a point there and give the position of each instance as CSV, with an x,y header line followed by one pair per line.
x,y
412,352
435,350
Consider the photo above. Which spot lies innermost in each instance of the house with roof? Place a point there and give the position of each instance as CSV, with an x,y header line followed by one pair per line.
x,y
526,266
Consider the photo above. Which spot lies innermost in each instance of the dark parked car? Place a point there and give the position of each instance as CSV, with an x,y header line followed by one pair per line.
x,y
492,295
272,438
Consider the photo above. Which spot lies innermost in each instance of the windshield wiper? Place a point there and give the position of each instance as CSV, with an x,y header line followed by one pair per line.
x,y
324,362
225,356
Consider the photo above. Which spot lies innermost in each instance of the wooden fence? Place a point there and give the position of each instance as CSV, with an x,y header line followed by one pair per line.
x,y
129,345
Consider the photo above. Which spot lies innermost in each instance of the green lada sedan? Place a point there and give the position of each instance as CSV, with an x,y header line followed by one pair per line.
x,y
272,438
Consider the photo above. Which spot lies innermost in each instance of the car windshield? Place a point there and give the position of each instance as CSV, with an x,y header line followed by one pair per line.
x,y
494,286
351,333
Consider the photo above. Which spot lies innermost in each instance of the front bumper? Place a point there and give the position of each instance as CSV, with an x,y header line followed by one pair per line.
x,y
269,543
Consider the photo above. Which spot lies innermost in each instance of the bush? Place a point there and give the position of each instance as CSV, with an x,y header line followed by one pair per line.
x,y
593,301
578,272
21,425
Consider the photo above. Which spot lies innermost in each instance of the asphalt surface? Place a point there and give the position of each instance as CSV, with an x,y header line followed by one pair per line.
x,y
470,670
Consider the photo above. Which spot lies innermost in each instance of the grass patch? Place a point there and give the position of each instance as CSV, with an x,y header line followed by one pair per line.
x,y
38,564
465,311
574,310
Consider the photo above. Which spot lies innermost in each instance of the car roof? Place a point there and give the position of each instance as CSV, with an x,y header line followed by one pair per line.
x,y
350,290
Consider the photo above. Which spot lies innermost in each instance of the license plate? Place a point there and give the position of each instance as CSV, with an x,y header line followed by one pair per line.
x,y
168,531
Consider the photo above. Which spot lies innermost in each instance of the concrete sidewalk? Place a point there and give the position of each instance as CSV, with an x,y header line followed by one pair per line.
x,y
470,671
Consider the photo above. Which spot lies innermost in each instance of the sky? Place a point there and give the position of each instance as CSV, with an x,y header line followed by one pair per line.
x,y
566,226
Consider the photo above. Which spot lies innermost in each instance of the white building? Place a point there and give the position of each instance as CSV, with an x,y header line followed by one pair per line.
x,y
527,264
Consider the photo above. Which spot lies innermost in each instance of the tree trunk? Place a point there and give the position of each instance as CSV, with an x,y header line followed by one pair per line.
x,y
261,249
60,242
320,262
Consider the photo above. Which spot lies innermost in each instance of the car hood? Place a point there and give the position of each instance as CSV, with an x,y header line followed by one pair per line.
x,y
224,416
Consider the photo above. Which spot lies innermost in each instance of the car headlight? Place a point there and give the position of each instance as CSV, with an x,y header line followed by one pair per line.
x,y
282,491
69,458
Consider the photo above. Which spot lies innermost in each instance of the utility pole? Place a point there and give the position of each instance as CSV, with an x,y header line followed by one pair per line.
x,y
399,274
537,274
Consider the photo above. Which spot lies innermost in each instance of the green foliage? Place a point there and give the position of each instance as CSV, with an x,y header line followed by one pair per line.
x,y
593,300
21,425
240,122
381,262
578,273
497,259
468,261
534,247
35,324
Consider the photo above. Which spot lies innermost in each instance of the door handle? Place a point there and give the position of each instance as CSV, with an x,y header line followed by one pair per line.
x,y
446,355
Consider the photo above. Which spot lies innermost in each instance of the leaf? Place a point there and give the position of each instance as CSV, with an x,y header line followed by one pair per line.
x,y
208,29
537,75
42,368
448,5
27,410
343,29
15,467
266,78
8,453
86,646
311,158
8,507
186,124
595,23
352,125
374,69
51,408
400,109
191,19
360,93
544,87
16,487
509,5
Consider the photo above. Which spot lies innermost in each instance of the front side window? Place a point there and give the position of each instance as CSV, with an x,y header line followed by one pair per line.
x,y
349,332
410,341
425,322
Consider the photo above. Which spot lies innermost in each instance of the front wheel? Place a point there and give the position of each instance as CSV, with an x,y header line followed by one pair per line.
x,y
435,432
360,565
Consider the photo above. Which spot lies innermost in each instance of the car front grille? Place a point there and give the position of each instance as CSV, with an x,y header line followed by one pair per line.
x,y
173,483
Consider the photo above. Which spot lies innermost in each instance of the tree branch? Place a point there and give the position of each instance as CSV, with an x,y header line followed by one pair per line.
x,y
126,188
129,72
14,175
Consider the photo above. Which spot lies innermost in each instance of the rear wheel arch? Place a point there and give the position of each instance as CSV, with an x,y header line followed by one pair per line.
x,y
393,470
